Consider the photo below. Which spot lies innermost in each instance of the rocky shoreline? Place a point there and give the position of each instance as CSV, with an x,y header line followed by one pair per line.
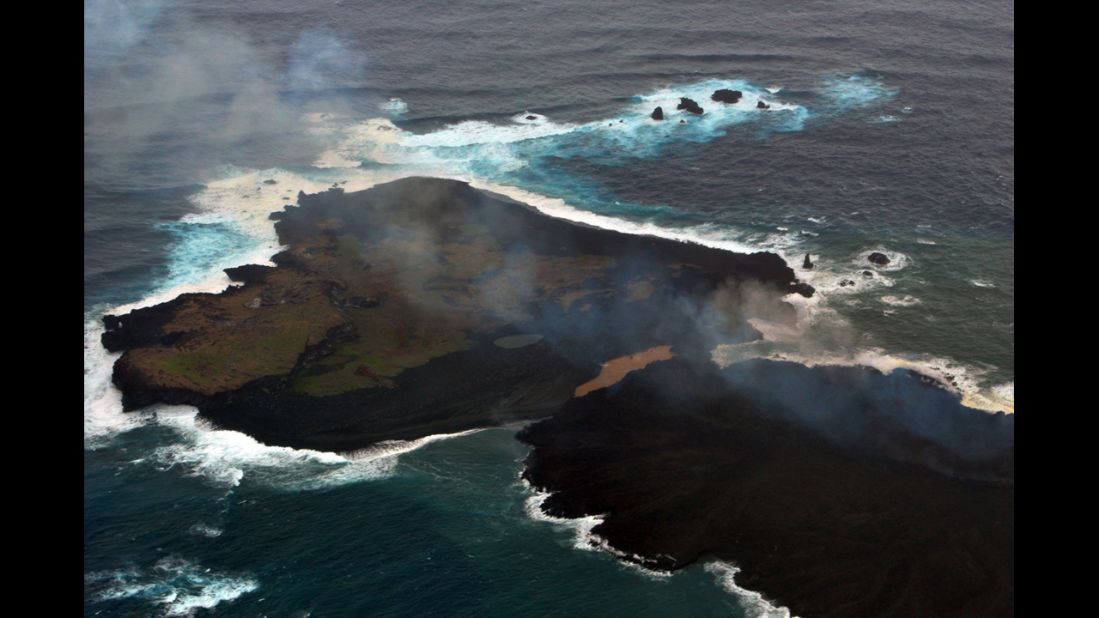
x,y
423,306
866,520
385,296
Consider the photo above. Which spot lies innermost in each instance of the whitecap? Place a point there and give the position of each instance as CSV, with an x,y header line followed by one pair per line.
x,y
394,106
753,603
225,457
232,217
387,449
982,283
222,457
226,230
583,536
900,301
581,527
180,586
206,530
528,118
708,235
856,91
490,151
831,283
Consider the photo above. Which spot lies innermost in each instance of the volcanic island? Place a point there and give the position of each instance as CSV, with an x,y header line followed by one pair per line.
x,y
424,306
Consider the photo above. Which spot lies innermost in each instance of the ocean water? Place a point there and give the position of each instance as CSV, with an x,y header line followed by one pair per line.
x,y
444,530
890,128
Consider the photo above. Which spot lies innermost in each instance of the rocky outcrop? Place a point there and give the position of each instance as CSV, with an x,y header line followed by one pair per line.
x,y
688,105
726,96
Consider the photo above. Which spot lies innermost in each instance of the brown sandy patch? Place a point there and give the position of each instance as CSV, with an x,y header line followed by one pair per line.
x,y
617,368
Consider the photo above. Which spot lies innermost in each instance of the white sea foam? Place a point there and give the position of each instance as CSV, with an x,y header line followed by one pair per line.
x,y
529,118
998,397
900,301
489,150
394,106
753,603
840,283
717,237
240,196
391,448
220,456
926,241
981,283
180,586
478,132
668,98
835,287
856,91
583,536
482,153
1005,392
897,260
224,457
242,199
964,380
206,530
103,416
585,539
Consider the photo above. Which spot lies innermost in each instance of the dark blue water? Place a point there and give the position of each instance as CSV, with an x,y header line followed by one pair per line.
x,y
891,128
446,531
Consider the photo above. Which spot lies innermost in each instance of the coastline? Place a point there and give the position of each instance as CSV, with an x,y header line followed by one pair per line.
x,y
161,333
681,469
251,407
